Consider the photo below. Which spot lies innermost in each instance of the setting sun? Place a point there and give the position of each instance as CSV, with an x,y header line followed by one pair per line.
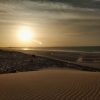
x,y
27,37
25,34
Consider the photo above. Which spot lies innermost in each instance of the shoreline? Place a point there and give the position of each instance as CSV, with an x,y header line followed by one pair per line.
x,y
16,61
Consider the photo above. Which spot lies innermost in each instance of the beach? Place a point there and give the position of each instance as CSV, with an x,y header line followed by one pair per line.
x,y
48,75
49,49
26,60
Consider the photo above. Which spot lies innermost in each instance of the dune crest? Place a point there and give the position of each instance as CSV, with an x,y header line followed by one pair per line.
x,y
50,85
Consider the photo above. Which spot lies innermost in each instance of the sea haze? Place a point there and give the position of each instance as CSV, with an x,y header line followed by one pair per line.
x,y
63,49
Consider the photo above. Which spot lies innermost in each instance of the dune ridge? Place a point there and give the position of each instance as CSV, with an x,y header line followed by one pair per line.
x,y
55,84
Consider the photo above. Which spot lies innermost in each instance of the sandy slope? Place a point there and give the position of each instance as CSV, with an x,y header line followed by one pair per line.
x,y
50,85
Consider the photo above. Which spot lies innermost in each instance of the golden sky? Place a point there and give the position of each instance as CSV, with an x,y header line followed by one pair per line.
x,y
50,22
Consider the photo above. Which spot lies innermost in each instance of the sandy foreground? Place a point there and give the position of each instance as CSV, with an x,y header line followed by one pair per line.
x,y
50,84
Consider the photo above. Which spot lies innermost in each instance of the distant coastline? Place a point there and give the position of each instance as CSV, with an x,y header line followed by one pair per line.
x,y
65,49
20,61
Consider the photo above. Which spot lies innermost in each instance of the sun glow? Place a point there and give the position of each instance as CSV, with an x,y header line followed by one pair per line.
x,y
27,37
25,34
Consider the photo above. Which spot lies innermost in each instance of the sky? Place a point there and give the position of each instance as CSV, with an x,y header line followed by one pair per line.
x,y
52,22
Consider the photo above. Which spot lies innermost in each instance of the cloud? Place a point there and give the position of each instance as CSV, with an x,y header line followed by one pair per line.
x,y
82,16
76,3
32,8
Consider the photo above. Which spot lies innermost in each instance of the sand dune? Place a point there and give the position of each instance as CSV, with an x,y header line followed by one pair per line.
x,y
50,85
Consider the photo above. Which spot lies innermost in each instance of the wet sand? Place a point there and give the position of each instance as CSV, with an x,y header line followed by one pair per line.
x,y
50,84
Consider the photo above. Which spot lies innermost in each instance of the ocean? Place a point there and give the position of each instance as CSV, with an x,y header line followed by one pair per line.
x,y
64,49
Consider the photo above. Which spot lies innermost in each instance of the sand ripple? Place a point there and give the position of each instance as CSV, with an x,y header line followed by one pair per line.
x,y
50,85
